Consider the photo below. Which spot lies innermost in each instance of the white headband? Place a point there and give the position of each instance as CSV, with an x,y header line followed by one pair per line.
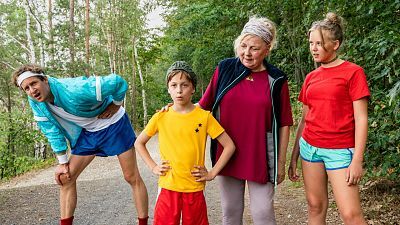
x,y
259,29
25,75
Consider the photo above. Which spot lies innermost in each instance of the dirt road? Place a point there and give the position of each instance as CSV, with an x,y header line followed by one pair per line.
x,y
105,198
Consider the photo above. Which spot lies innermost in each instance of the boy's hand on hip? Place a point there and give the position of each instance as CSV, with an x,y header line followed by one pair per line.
x,y
162,169
202,174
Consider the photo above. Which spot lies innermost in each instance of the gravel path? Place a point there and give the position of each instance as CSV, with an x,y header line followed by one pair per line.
x,y
105,198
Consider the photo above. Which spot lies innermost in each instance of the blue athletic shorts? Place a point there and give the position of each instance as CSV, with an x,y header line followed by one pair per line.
x,y
113,140
333,159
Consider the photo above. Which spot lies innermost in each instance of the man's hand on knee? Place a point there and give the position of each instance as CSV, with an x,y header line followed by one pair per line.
x,y
62,174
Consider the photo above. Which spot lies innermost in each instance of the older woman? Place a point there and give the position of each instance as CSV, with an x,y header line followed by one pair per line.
x,y
250,98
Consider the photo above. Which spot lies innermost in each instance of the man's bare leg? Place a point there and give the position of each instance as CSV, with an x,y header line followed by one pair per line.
x,y
68,195
130,170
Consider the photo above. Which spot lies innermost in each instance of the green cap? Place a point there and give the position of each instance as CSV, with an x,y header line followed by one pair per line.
x,y
182,65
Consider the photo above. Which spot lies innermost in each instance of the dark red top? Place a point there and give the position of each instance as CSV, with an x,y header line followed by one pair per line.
x,y
245,113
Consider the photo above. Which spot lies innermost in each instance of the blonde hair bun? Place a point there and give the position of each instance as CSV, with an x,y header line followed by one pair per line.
x,y
334,19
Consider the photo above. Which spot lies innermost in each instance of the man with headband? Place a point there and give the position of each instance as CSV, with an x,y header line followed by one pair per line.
x,y
87,112
250,99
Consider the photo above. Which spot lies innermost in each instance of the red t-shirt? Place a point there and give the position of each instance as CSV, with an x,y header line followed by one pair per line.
x,y
329,94
245,114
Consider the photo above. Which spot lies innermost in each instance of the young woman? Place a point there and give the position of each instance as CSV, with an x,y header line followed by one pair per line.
x,y
332,134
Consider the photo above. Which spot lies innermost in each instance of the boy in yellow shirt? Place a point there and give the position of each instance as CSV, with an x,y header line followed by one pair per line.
x,y
182,133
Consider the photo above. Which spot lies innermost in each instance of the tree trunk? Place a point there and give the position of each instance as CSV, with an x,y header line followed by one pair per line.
x,y
133,89
113,50
51,37
87,37
39,29
32,55
107,38
10,127
142,83
10,134
72,33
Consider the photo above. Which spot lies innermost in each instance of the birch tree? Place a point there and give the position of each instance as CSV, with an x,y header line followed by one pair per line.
x,y
32,55
142,83
39,28
87,37
50,32
133,89
72,31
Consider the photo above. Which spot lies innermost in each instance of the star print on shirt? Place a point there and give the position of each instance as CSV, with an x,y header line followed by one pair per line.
x,y
198,126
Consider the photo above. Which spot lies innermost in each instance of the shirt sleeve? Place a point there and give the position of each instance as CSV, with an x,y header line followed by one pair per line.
x,y
286,118
214,129
113,85
207,100
54,135
151,128
358,86
302,95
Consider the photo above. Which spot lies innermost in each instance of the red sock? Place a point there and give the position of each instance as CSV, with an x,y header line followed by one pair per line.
x,y
67,221
143,221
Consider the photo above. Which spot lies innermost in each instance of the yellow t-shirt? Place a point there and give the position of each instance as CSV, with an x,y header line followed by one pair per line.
x,y
182,140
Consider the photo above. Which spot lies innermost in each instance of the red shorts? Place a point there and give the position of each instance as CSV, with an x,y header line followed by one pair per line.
x,y
171,204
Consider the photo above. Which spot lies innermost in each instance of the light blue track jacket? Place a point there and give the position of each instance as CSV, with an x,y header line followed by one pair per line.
x,y
80,96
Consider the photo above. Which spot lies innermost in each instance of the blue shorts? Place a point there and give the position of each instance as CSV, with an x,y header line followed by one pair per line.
x,y
333,159
113,140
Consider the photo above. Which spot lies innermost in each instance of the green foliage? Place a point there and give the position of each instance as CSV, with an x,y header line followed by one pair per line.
x,y
373,42
394,95
201,33
24,164
383,153
17,144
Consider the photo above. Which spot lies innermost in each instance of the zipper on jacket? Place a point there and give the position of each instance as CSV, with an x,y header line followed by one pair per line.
x,y
276,146
224,90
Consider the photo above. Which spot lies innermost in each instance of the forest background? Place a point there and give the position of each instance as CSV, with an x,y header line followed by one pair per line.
x,y
74,38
